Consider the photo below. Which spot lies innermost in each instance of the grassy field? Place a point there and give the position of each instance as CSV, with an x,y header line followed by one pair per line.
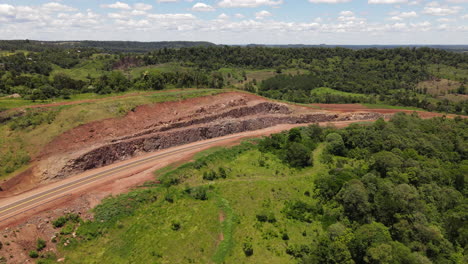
x,y
168,67
326,90
25,136
88,68
176,228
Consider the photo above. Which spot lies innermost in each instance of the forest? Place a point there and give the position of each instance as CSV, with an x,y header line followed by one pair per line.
x,y
387,76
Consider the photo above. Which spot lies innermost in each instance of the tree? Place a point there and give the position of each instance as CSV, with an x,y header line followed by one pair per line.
x,y
297,155
354,198
335,144
385,161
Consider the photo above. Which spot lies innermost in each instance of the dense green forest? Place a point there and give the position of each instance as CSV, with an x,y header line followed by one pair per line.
x,y
389,76
388,192
103,46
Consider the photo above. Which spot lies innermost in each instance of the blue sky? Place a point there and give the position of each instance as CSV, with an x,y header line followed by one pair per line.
x,y
239,21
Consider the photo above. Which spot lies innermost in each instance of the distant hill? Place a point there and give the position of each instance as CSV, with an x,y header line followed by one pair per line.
x,y
142,47
107,46
456,48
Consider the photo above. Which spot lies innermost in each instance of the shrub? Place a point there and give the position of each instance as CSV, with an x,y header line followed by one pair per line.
x,y
247,247
210,175
33,254
59,222
199,193
175,225
266,217
41,244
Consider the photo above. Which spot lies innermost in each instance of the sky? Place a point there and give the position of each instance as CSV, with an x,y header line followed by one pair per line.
x,y
342,22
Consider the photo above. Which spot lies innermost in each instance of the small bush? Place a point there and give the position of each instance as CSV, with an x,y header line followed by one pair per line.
x,y
59,222
199,193
247,247
33,254
266,217
175,225
210,175
41,244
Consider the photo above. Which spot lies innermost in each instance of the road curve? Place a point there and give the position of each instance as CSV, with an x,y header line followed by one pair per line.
x,y
15,208
17,205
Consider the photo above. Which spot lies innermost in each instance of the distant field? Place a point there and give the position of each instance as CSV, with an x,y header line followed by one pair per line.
x,y
325,90
91,68
9,53
168,67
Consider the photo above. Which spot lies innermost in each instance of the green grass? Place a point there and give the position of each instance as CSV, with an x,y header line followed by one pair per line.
x,y
168,67
146,236
326,90
92,68
4,53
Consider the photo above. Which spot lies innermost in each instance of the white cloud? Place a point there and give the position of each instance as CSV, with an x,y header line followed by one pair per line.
x,y
408,14
346,13
202,7
457,1
262,14
248,3
55,7
387,1
398,16
7,10
445,20
223,16
142,7
238,15
117,5
329,1
435,9
172,16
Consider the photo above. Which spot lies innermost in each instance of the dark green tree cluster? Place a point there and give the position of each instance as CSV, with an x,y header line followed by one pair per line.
x,y
264,57
295,147
395,192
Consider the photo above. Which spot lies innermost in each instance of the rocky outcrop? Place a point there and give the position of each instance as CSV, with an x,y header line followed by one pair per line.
x,y
187,132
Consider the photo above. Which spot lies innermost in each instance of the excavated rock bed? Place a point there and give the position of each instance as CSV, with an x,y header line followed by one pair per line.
x,y
154,127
